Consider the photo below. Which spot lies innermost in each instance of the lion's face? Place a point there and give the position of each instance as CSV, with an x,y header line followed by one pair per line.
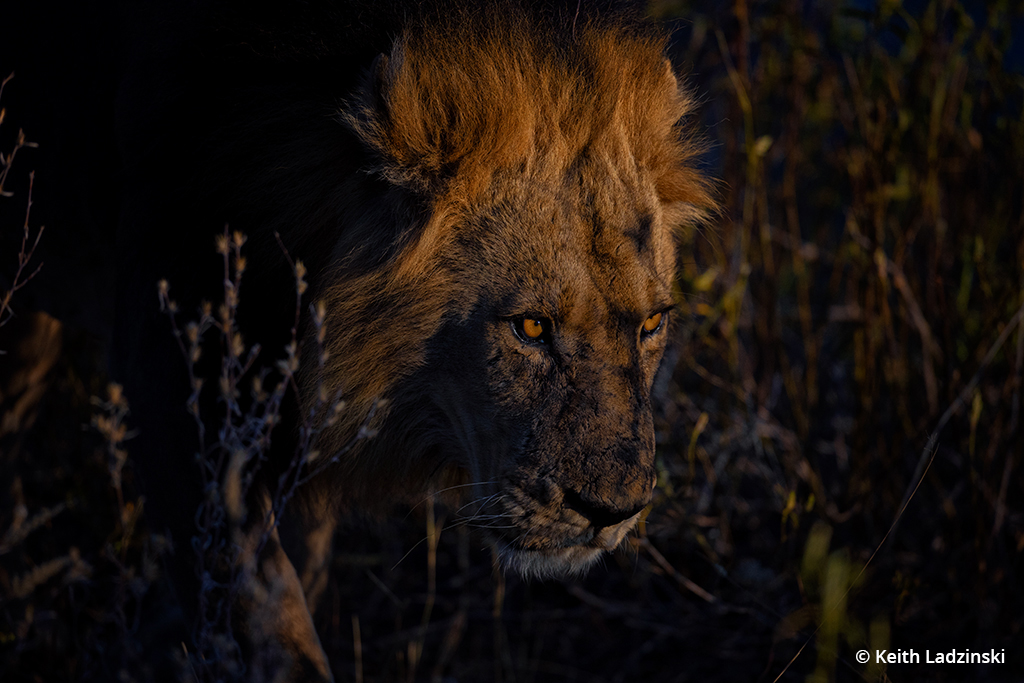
x,y
563,327
531,182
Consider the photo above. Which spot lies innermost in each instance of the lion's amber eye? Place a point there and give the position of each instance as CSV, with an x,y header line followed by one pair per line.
x,y
533,328
653,323
530,329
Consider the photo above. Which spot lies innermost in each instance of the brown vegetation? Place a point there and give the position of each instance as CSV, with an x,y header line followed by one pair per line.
x,y
851,357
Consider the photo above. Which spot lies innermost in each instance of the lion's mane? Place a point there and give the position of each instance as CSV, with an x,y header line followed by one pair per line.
x,y
463,102
491,164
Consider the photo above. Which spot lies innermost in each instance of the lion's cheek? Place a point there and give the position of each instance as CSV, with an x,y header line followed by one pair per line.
x,y
518,382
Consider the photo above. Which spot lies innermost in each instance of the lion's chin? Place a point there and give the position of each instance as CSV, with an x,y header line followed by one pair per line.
x,y
550,564
573,560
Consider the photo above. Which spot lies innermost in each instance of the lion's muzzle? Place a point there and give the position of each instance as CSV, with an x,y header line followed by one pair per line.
x,y
597,512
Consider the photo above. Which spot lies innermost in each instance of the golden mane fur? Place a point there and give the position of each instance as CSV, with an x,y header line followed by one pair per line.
x,y
489,218
462,104
452,106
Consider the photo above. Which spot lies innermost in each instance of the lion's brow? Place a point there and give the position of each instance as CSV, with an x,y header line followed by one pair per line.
x,y
640,233
607,235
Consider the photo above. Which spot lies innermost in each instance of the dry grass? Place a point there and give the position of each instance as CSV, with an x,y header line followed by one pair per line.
x,y
851,355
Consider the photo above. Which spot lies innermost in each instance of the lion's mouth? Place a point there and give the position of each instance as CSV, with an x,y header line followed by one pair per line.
x,y
545,532
545,557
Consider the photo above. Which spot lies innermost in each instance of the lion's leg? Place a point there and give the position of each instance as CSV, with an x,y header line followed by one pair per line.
x,y
277,622
307,534
315,569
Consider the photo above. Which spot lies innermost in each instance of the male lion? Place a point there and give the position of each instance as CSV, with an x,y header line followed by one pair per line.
x,y
489,216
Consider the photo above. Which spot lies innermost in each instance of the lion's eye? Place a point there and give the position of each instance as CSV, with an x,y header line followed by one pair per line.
x,y
652,324
532,330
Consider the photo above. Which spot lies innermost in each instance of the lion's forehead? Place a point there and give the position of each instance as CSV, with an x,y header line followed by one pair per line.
x,y
579,255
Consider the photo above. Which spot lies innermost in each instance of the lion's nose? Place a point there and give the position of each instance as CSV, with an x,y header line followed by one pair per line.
x,y
600,513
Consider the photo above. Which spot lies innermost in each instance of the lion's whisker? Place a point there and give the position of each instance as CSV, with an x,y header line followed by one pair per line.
x,y
432,494
409,552
483,502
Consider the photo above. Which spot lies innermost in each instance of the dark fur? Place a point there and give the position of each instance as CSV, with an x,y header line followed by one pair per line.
x,y
489,165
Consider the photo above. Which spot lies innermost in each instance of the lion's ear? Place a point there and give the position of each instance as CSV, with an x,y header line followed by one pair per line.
x,y
687,196
435,108
387,115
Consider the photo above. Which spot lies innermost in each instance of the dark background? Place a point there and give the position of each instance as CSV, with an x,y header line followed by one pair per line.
x,y
850,300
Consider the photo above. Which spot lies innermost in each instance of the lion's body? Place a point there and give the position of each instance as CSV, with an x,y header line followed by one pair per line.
x,y
491,169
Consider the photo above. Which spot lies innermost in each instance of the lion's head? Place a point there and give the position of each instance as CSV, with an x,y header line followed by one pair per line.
x,y
515,313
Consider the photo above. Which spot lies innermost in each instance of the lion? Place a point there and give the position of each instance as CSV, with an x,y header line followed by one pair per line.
x,y
489,215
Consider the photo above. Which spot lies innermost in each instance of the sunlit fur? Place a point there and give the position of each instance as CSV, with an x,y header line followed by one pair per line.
x,y
530,167
496,162
573,560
